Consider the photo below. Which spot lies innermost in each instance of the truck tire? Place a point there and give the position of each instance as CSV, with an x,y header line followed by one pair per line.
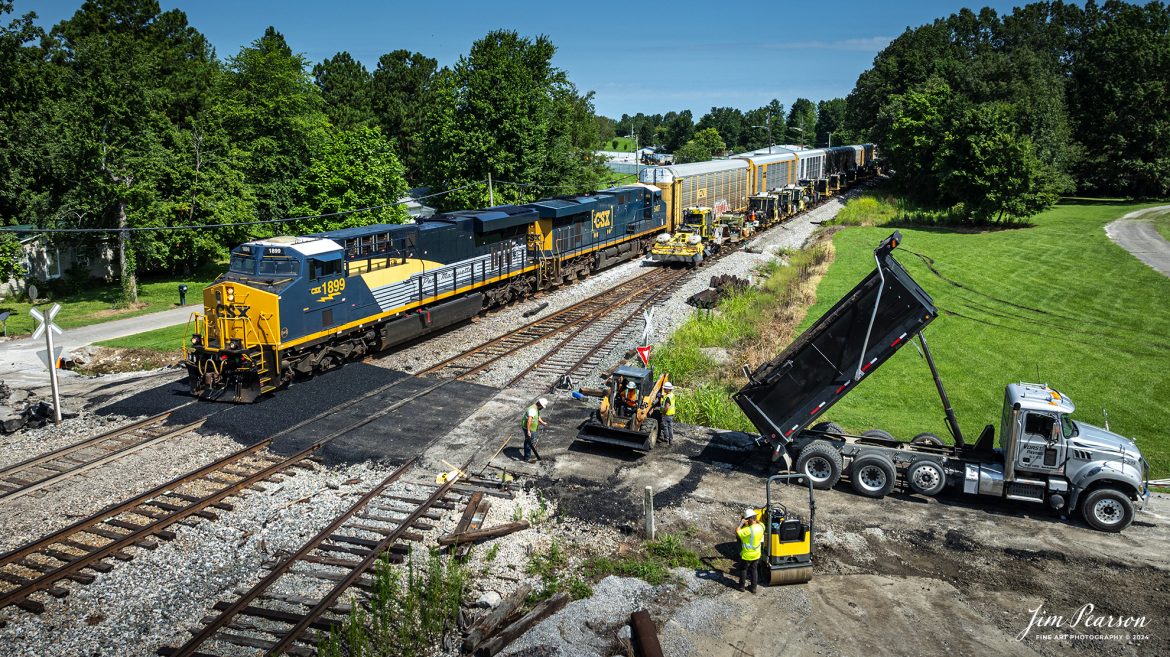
x,y
879,436
926,478
821,463
872,475
828,427
927,439
1107,510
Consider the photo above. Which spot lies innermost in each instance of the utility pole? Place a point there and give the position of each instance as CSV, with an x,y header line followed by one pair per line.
x,y
637,162
491,192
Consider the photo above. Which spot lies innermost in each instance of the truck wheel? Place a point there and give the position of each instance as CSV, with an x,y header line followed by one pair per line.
x,y
872,475
926,478
1107,510
878,437
821,463
828,427
927,439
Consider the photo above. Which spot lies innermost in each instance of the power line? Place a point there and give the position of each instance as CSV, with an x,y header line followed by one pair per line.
x,y
342,213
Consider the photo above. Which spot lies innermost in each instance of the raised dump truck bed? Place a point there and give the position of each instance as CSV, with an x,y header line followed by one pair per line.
x,y
866,327
1043,456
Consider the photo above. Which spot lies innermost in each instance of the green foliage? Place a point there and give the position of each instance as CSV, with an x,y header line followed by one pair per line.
x,y
345,87
547,564
653,564
831,122
705,145
1089,336
1056,87
506,110
867,210
11,255
350,169
401,92
491,553
802,122
405,615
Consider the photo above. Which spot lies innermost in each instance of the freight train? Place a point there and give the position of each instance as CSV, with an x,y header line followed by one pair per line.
x,y
292,307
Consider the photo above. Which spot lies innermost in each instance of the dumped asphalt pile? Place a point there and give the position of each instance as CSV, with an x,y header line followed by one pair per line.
x,y
21,409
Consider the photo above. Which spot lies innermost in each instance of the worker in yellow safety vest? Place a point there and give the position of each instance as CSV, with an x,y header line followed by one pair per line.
x,y
530,423
751,540
668,408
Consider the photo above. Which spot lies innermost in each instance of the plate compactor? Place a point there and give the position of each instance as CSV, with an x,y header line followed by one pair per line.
x,y
617,423
788,535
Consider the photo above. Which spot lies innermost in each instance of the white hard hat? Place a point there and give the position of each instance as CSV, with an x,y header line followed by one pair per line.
x,y
542,402
631,385
668,386
749,513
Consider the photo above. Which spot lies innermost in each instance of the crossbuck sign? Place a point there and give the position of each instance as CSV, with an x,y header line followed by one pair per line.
x,y
47,328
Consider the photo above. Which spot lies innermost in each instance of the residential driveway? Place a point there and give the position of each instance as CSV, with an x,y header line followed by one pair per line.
x,y
1137,235
19,361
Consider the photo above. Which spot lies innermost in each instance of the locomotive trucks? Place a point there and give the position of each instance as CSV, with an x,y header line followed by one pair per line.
x,y
1043,456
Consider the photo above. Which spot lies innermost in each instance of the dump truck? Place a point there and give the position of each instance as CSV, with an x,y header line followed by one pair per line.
x,y
1043,457
616,423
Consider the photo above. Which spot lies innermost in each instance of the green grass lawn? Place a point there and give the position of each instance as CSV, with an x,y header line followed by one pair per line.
x,y
1055,303
615,179
1162,224
167,338
99,302
620,144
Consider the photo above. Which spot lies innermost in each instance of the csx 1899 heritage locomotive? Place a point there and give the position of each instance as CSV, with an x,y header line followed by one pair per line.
x,y
294,306
291,306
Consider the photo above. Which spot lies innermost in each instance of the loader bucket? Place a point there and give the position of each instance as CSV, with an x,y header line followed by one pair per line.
x,y
594,432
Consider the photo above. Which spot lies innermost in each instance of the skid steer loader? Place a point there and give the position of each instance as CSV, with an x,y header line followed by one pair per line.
x,y
615,423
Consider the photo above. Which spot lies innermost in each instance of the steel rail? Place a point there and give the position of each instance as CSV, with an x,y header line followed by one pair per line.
x,y
89,465
158,524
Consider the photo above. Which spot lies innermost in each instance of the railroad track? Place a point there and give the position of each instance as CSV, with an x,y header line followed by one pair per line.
x,y
589,342
268,618
47,469
480,357
75,552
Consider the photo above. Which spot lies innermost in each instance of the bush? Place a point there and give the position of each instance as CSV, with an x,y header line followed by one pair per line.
x,y
402,617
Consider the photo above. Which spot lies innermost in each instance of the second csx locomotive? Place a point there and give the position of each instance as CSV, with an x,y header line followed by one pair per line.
x,y
292,306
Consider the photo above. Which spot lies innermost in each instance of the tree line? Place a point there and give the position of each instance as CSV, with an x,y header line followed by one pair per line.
x,y
997,116
725,130
123,116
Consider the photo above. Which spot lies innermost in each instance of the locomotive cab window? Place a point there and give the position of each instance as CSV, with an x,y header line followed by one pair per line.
x,y
279,267
241,264
324,268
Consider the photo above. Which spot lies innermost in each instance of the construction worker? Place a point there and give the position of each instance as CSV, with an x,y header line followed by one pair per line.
x,y
668,409
530,423
751,539
630,399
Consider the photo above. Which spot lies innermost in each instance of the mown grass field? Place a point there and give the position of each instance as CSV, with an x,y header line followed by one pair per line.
x,y
620,144
1162,224
98,302
167,338
1056,303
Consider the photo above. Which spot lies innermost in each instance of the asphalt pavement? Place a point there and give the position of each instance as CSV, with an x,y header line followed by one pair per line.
x,y
1134,233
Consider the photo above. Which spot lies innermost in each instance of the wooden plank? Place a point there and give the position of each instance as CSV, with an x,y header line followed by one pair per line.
x,y
472,535
517,629
486,626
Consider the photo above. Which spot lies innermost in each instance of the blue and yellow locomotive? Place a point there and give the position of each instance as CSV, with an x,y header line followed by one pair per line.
x,y
295,306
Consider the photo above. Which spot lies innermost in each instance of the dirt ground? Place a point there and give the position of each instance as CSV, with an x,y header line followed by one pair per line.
x,y
900,576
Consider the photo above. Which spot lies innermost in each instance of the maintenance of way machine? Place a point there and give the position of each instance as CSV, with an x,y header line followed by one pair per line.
x,y
617,423
1044,456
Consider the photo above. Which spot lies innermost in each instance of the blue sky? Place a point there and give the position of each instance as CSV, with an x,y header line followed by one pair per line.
x,y
648,57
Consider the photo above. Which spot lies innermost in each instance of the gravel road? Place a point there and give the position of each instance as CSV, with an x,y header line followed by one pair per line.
x,y
1134,233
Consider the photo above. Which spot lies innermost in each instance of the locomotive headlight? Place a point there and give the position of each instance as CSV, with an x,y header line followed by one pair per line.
x,y
231,294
